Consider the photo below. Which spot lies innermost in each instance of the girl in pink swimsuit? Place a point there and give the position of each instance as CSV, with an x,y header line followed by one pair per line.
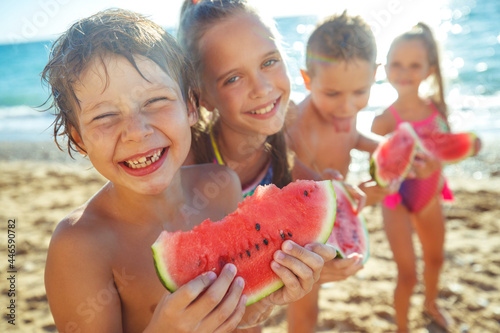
x,y
413,58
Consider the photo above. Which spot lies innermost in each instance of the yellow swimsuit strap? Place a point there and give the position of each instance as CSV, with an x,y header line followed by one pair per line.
x,y
218,157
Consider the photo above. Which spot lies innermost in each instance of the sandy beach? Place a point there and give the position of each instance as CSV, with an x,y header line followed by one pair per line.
x,y
40,185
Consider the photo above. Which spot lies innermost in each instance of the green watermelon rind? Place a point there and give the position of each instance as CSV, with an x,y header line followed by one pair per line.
x,y
340,253
374,170
161,268
327,229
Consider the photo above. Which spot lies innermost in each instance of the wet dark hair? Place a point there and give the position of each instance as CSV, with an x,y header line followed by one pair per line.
x,y
109,32
340,38
195,20
422,32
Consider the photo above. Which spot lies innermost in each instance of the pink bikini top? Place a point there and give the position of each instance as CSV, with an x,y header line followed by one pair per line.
x,y
435,122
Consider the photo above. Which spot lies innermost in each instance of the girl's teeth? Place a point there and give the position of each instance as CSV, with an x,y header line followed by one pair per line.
x,y
263,110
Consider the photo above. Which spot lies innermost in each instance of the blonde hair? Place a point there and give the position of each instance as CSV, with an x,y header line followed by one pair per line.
x,y
422,32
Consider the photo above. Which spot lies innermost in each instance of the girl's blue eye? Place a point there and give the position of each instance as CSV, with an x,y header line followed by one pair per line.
x,y
232,79
270,62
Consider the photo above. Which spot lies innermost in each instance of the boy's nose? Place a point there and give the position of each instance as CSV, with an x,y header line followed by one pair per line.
x,y
136,128
261,86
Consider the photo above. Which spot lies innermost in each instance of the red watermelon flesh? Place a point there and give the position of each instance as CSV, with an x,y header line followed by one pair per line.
x,y
349,233
303,211
451,147
393,158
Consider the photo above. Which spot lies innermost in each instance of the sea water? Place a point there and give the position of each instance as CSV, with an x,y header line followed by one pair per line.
x,y
468,31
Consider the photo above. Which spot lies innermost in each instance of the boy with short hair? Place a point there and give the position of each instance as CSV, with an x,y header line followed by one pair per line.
x,y
340,62
125,95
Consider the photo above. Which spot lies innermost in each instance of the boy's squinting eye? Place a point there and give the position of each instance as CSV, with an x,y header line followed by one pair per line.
x,y
157,99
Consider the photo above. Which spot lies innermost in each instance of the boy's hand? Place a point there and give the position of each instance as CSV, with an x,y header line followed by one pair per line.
x,y
374,193
205,304
299,268
341,269
329,173
358,195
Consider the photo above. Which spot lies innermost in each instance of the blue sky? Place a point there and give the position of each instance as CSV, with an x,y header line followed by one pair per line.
x,y
28,20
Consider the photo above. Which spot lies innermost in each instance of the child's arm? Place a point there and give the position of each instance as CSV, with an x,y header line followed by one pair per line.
x,y
76,274
368,142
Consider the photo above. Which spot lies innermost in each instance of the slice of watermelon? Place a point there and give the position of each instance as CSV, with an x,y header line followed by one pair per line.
x,y
303,211
451,147
394,156
349,233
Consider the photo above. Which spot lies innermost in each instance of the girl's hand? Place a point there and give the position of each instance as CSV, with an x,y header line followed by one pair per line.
x,y
205,304
299,268
341,269
425,165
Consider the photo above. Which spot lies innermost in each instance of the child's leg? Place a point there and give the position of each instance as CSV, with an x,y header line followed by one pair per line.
x,y
430,227
302,315
398,228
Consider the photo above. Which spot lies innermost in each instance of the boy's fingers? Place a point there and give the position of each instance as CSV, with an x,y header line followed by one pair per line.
x,y
325,251
230,305
232,322
215,292
186,294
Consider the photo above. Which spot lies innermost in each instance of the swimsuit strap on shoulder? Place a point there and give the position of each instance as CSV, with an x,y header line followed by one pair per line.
x,y
395,114
218,157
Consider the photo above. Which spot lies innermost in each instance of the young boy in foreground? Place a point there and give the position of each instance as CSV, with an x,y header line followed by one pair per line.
x,y
340,62
125,96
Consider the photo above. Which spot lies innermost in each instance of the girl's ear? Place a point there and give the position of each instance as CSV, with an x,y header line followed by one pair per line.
x,y
377,66
80,146
307,79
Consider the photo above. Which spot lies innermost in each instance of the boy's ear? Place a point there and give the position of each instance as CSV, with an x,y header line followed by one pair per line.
x,y
80,146
307,79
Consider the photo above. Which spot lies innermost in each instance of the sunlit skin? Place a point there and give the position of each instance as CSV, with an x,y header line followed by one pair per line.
x,y
127,118
407,66
244,73
323,131
100,275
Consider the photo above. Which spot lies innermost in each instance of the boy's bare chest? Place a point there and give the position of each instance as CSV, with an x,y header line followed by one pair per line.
x,y
138,286
327,149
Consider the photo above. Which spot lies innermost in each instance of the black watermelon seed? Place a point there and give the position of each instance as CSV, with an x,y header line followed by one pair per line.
x,y
257,226
241,256
282,235
257,247
266,241
290,234
305,193
248,253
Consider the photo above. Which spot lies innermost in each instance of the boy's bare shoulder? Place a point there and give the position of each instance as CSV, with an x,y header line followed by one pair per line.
x,y
211,177
84,230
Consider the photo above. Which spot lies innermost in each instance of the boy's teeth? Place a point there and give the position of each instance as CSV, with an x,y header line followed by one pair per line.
x,y
264,110
144,161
